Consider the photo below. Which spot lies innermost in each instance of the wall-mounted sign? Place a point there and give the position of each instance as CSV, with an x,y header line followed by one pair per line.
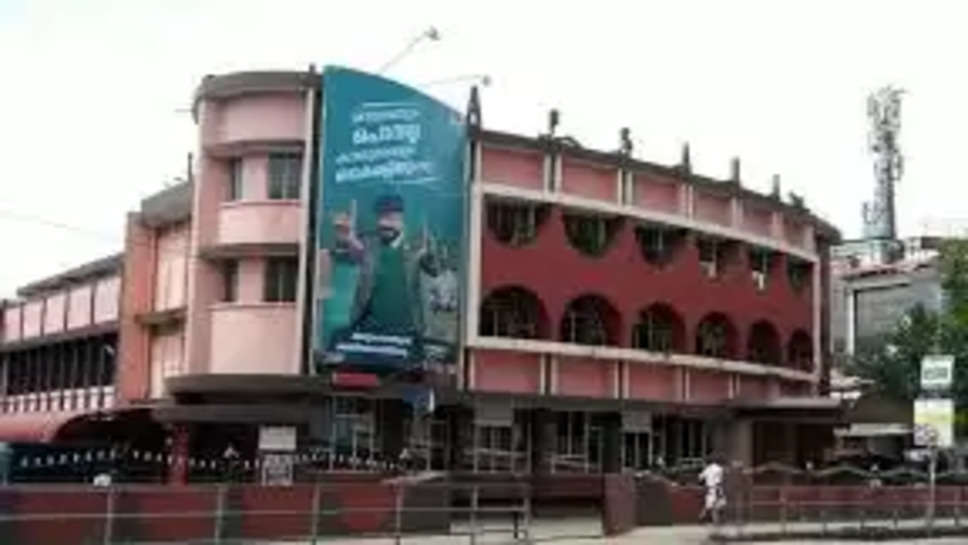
x,y
636,421
277,438
937,372
390,224
277,469
934,421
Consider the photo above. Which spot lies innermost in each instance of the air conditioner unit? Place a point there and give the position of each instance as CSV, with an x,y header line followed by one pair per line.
x,y
708,268
759,279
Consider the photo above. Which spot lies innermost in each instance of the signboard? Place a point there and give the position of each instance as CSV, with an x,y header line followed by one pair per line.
x,y
934,422
936,372
277,469
277,438
636,421
389,224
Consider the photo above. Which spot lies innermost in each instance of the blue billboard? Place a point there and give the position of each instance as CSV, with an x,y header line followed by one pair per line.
x,y
389,225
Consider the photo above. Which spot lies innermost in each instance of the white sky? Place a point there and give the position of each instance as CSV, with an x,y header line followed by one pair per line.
x,y
89,120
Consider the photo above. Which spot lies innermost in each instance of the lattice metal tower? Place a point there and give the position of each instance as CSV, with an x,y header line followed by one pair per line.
x,y
884,113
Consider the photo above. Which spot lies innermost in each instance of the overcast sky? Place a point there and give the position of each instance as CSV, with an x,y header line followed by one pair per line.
x,y
93,92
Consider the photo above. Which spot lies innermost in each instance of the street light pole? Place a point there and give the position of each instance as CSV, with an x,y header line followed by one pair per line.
x,y
430,34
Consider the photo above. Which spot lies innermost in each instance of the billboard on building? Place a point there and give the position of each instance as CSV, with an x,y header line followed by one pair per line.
x,y
389,224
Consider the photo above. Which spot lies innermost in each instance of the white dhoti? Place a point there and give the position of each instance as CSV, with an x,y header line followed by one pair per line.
x,y
715,498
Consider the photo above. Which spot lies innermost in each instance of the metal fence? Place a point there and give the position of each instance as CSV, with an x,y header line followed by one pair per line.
x,y
225,513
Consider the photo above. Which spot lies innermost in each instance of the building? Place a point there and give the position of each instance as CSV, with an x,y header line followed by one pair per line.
x,y
618,314
871,294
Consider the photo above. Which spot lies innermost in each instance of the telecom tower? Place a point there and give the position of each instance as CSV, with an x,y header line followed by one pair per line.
x,y
884,113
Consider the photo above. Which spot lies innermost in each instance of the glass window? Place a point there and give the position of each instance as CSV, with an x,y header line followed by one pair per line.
x,y
230,281
280,279
234,189
284,175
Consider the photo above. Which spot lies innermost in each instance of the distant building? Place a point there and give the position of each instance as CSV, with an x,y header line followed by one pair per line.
x,y
870,294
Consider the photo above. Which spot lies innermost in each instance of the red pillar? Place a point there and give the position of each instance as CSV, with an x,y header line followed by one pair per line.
x,y
180,451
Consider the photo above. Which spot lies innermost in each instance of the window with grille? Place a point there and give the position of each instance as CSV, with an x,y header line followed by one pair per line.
x,y
800,351
515,223
585,321
590,234
709,256
760,260
798,273
230,281
284,175
233,191
658,244
280,279
713,337
656,330
511,312
764,344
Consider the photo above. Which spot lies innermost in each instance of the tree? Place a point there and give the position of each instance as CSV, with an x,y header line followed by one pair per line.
x,y
953,264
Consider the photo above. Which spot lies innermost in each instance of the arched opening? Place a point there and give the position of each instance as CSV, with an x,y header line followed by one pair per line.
x,y
716,336
591,234
514,222
800,351
659,244
660,329
763,345
513,312
590,319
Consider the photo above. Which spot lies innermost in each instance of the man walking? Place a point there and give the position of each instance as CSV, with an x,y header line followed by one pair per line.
x,y
715,500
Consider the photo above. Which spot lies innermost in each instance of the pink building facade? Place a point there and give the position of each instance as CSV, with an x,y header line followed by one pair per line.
x,y
619,313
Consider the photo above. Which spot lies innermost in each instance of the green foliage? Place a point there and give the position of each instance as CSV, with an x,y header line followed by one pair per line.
x,y
954,278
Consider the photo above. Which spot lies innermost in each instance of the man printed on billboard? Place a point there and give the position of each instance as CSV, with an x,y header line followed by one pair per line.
x,y
387,304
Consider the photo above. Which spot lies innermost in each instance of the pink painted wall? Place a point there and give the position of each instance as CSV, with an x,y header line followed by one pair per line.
x,y
588,181
266,116
794,231
708,386
753,387
757,220
712,208
106,299
79,307
54,314
167,359
253,338
170,290
32,317
656,193
586,377
259,221
657,382
507,371
11,324
517,168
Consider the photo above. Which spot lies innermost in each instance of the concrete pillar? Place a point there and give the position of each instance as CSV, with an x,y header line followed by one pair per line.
x,y
543,440
738,442
390,414
612,451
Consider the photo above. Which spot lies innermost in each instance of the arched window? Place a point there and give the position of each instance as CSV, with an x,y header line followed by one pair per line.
x,y
659,243
716,336
513,312
515,223
798,273
591,234
763,345
659,329
800,351
590,319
